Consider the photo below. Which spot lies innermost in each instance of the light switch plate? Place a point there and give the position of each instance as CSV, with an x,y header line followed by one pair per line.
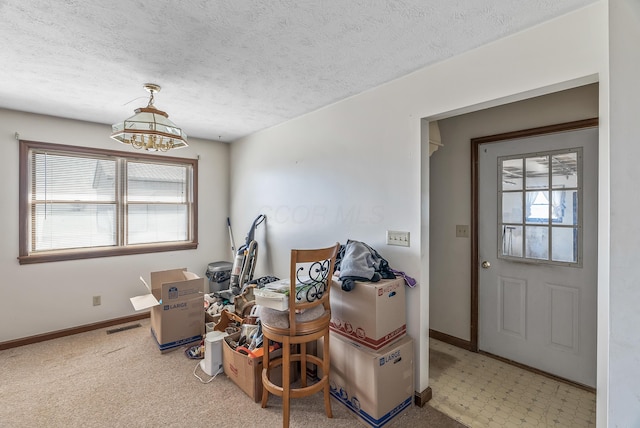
x,y
396,237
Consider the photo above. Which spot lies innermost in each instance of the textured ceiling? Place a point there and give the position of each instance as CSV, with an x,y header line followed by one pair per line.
x,y
230,68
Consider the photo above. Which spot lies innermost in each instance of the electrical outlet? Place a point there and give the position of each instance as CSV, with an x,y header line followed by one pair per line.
x,y
462,231
97,300
395,237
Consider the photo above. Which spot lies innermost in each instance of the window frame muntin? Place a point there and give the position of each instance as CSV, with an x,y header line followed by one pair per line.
x,y
549,225
24,256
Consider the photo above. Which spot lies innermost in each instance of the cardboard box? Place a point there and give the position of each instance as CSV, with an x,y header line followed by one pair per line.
x,y
373,314
178,318
245,371
375,386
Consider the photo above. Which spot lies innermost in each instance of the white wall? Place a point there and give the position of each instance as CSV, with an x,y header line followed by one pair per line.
x,y
624,351
45,297
450,197
358,167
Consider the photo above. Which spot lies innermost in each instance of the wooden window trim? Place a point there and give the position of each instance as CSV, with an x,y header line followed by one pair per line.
x,y
79,254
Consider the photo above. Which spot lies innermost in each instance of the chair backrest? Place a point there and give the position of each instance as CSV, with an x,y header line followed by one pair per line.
x,y
310,280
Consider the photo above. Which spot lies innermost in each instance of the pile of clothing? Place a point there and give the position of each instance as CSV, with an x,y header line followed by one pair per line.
x,y
357,261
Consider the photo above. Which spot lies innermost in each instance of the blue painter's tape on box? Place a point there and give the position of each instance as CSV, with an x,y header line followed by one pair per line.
x,y
175,344
354,405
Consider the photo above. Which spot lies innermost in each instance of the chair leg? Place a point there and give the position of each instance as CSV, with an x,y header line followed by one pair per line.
x,y
286,383
303,365
265,369
326,367
327,402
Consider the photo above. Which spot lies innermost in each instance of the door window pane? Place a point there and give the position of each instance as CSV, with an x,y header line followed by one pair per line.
x,y
564,170
511,241
537,242
512,207
565,207
537,207
512,174
537,176
564,247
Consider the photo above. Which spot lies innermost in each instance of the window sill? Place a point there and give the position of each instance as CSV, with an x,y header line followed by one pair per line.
x,y
57,256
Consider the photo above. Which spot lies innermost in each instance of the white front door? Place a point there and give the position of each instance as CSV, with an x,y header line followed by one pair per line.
x,y
537,252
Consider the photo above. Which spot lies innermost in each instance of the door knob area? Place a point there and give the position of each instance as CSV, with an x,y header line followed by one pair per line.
x,y
486,265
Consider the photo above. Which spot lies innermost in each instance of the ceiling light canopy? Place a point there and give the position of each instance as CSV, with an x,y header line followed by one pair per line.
x,y
150,129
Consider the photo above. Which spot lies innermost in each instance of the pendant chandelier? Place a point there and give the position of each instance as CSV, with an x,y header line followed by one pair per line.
x,y
150,129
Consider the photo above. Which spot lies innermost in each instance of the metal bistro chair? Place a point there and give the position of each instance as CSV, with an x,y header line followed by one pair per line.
x,y
306,320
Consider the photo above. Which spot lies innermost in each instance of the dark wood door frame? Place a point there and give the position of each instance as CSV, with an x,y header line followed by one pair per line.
x,y
475,147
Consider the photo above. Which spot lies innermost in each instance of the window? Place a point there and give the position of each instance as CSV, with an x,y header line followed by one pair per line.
x,y
78,202
539,201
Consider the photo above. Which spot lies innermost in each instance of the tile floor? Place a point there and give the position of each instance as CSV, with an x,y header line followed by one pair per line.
x,y
480,391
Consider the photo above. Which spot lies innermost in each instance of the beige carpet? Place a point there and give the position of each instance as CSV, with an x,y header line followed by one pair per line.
x,y
97,379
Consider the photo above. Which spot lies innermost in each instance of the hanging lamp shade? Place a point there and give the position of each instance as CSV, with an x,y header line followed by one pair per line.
x,y
150,129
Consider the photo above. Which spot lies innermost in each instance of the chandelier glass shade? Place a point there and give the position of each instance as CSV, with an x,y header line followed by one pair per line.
x,y
150,129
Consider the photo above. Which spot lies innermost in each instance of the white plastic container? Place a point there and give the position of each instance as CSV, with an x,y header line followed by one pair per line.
x,y
271,299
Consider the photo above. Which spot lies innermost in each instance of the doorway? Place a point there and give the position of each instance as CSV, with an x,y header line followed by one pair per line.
x,y
452,315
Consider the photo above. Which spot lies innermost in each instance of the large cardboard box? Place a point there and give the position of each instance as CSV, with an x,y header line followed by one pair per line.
x,y
375,386
246,371
178,319
373,314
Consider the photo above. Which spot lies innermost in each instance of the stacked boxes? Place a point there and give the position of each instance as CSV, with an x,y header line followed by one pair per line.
x,y
373,314
371,356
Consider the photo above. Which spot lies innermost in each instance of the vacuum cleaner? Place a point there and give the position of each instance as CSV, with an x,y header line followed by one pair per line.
x,y
244,261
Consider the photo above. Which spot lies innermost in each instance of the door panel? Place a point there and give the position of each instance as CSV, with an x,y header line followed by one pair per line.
x,y
512,301
564,317
537,231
